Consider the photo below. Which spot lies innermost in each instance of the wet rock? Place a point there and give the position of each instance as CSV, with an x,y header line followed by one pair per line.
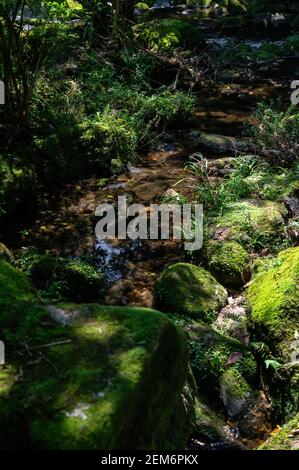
x,y
293,229
256,420
232,320
292,204
150,191
219,144
221,166
211,430
235,393
224,369
62,316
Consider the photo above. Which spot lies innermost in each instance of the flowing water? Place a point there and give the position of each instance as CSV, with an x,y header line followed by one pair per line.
x,y
65,223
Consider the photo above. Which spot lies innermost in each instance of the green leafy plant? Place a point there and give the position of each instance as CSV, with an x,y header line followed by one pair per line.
x,y
277,132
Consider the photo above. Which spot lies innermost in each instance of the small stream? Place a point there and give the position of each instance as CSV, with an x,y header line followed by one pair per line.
x,y
65,223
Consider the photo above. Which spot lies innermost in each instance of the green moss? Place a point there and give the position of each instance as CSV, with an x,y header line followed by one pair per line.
x,y
235,392
274,185
285,439
253,223
284,390
229,262
69,279
191,291
105,387
210,352
20,316
234,380
274,298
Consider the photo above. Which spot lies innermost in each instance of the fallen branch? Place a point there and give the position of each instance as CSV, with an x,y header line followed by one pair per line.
x,y
41,346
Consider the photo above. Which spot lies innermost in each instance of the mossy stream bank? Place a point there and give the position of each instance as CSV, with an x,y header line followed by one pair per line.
x,y
171,351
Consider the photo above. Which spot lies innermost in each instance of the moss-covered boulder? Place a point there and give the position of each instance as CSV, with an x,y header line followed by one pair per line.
x,y
235,392
188,290
229,263
114,374
220,144
112,378
286,438
70,279
251,222
274,298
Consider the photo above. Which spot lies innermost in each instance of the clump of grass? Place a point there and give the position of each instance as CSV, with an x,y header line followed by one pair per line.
x,y
277,134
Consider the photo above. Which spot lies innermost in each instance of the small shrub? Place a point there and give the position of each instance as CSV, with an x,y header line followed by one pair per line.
x,y
167,34
277,132
61,279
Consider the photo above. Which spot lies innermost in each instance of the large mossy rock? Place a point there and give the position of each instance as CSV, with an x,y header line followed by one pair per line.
x,y
188,290
112,378
286,438
274,298
229,263
220,144
251,222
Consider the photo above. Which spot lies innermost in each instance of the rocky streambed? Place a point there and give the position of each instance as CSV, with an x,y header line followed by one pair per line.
x,y
238,389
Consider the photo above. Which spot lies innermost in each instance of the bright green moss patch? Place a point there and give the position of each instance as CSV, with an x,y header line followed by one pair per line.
x,y
229,262
188,290
285,439
274,298
13,284
252,222
113,382
235,392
